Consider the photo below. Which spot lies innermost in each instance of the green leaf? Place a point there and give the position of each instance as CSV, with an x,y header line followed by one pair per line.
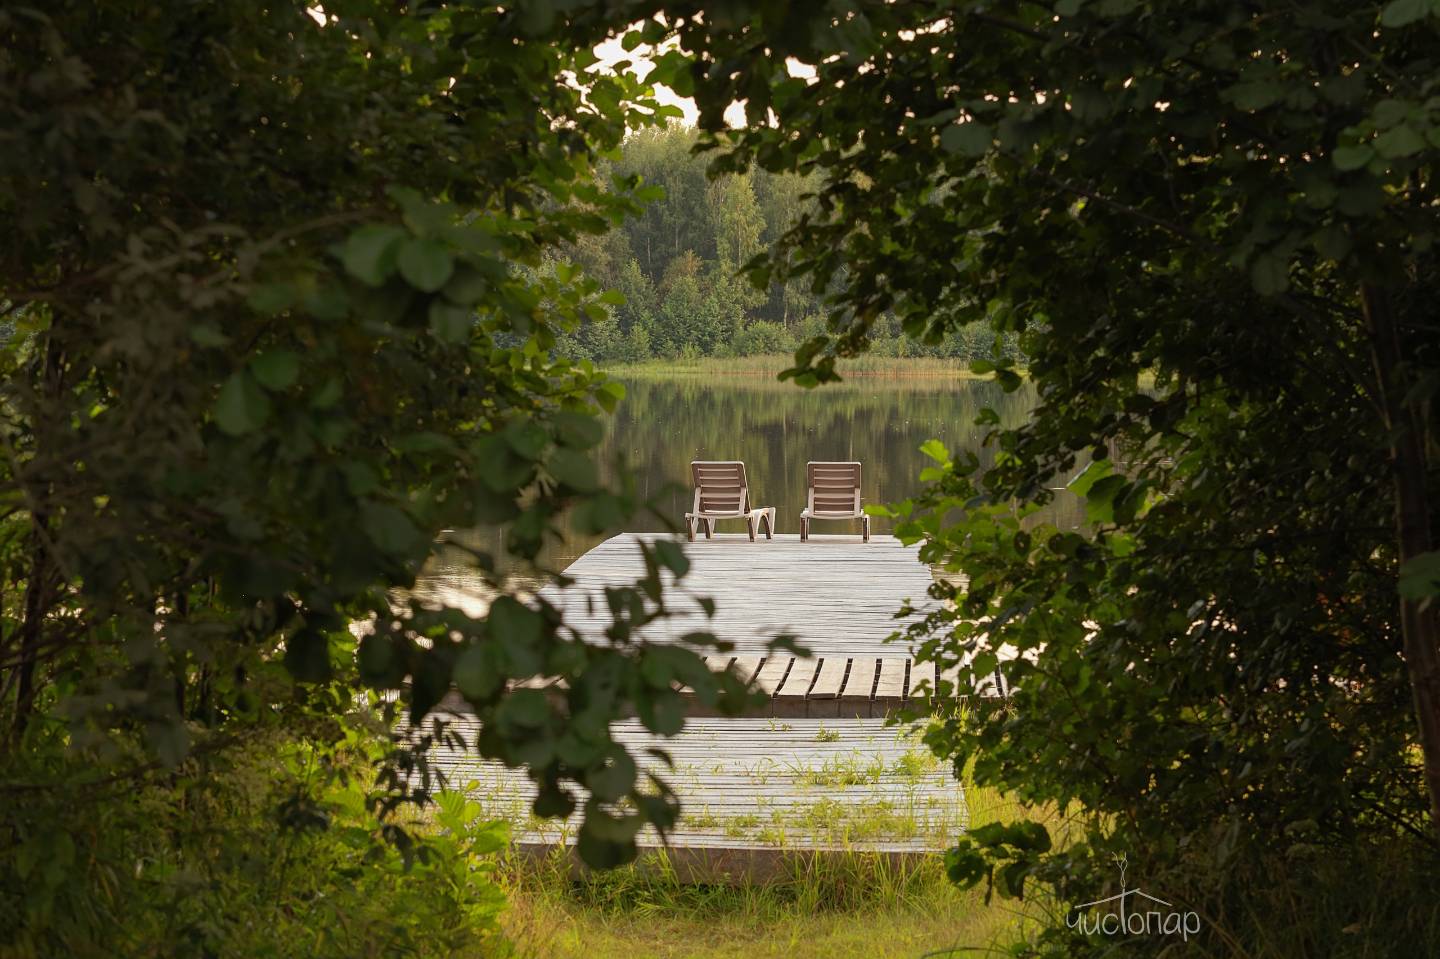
x,y
276,370
425,263
242,406
523,708
207,335
663,713
527,438
575,469
969,139
380,662
936,451
369,253
1256,94
1352,157
610,394
328,394
1269,274
498,467
451,323
965,865
611,780
672,556
519,631
1420,576
1400,141
477,673
271,298
1089,476
579,431
1100,501
307,656
1400,13
389,528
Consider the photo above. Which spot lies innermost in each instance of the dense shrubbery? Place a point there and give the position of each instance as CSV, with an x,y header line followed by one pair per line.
x,y
270,848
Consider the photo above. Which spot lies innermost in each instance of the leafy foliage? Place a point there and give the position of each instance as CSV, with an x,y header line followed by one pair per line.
x,y
269,850
1240,203
276,323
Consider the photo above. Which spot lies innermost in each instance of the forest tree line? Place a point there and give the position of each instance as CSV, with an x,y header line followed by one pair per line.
x,y
678,264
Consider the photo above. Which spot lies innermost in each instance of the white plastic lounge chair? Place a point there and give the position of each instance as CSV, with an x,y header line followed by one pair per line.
x,y
833,492
721,492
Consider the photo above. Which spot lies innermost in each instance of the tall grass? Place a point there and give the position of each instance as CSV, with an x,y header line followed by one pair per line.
x,y
819,905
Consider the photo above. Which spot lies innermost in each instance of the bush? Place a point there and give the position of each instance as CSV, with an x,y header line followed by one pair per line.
x,y
270,849
761,338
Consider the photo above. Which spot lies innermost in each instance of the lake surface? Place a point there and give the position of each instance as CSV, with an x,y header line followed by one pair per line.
x,y
881,421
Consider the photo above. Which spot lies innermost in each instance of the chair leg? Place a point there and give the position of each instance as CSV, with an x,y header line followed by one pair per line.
x,y
865,529
769,519
804,528
690,528
709,528
750,526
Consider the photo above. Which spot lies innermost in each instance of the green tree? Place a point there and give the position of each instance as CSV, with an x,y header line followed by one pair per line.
x,y
1241,202
279,317
737,219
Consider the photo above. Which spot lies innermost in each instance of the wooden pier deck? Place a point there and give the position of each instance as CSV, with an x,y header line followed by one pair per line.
x,y
755,791
837,595
818,769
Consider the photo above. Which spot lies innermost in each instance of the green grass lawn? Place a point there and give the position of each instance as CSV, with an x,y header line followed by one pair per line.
x,y
841,905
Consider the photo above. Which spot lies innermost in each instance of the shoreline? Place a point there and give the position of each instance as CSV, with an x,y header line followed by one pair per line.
x,y
771,365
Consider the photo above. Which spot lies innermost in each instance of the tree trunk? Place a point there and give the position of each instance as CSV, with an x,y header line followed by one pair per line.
x,y
1420,629
35,605
41,582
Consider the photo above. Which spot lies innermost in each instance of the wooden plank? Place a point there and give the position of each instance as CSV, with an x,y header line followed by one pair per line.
x,y
798,680
921,675
891,684
746,667
830,678
770,674
790,698
860,683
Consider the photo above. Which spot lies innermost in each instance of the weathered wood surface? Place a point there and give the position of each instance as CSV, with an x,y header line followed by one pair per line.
x,y
817,769
802,784
835,594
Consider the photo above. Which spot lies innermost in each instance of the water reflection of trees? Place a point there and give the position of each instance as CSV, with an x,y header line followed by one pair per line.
x,y
776,428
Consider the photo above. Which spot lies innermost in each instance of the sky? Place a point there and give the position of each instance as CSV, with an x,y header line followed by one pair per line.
x,y
611,52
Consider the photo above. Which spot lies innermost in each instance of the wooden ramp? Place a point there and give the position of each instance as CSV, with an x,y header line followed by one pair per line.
x,y
818,769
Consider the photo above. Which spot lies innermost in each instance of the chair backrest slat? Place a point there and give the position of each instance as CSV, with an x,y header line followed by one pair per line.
x,y
833,487
721,484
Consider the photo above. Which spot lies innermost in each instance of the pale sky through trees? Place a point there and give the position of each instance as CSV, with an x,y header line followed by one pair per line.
x,y
611,52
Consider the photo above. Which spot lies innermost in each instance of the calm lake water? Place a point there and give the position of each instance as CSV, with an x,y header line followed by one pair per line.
x,y
776,428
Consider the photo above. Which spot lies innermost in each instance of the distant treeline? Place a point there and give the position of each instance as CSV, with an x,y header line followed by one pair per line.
x,y
676,266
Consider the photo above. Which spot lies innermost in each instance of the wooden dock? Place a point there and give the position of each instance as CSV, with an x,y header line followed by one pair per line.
x,y
836,595
818,769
